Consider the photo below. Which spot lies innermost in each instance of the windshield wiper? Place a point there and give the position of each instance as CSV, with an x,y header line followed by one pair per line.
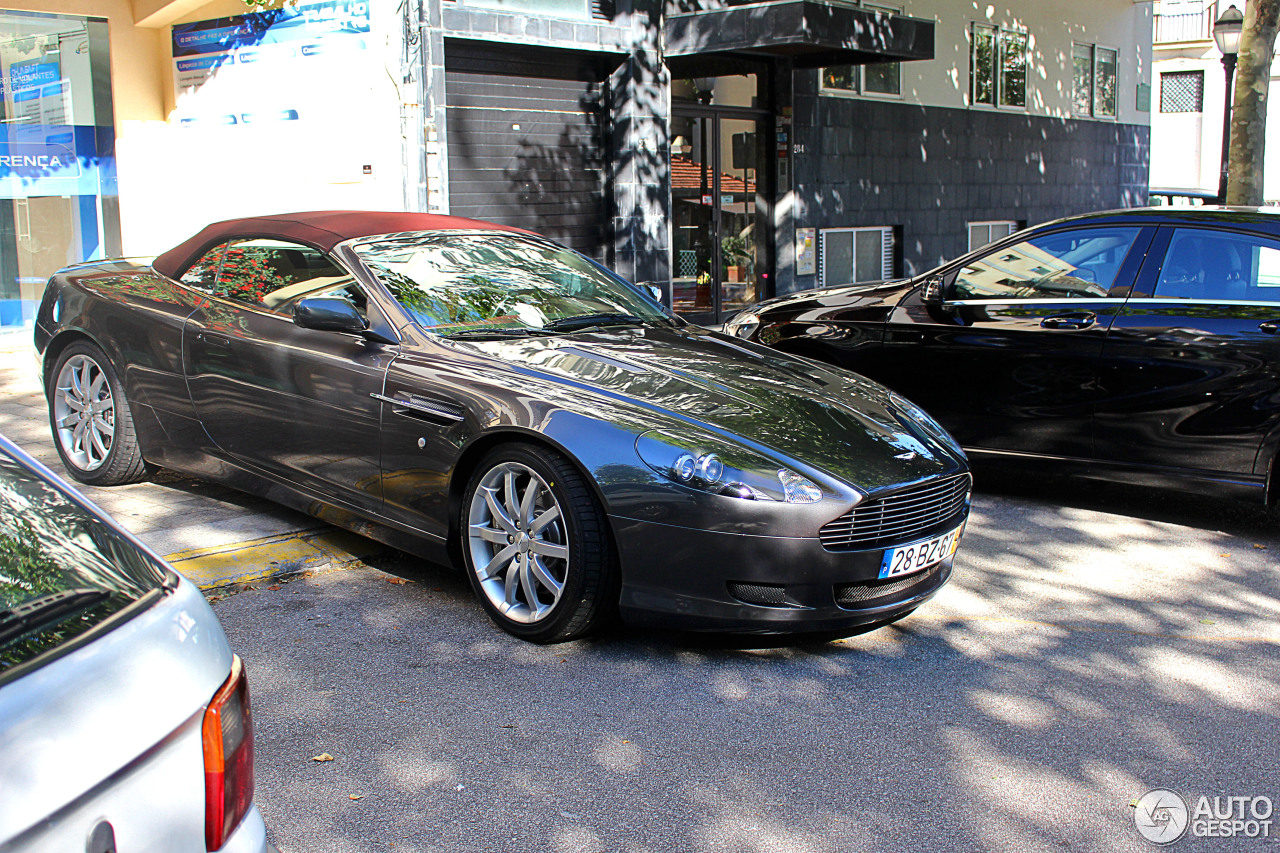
x,y
584,321
55,607
497,333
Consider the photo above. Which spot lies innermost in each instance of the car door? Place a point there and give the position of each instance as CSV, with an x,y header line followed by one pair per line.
x,y
296,403
1008,362
1190,375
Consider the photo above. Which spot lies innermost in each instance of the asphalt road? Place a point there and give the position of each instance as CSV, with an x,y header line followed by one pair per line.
x,y
1093,644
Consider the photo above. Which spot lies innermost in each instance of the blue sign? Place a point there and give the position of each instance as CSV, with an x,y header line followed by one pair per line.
x,y
54,159
28,75
205,62
306,21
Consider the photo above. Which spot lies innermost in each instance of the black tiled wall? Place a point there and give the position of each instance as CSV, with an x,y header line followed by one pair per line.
x,y
931,171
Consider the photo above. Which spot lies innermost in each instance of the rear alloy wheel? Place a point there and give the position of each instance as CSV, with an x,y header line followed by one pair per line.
x,y
91,420
536,545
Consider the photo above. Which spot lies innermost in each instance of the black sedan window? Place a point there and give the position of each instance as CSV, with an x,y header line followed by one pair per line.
x,y
1218,265
488,283
1081,263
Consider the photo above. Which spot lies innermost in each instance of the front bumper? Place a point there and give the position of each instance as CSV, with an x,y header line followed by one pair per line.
x,y
699,580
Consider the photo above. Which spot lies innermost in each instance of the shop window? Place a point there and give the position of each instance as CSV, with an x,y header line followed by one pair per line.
x,y
998,66
852,255
1182,92
1093,78
982,233
58,200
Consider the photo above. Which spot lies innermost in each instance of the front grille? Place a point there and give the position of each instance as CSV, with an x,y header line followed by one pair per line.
x,y
898,517
765,594
870,592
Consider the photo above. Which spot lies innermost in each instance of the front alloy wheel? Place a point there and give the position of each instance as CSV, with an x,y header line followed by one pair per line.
x,y
536,546
517,540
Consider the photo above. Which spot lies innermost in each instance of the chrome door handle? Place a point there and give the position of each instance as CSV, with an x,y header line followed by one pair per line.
x,y
1077,321
1271,327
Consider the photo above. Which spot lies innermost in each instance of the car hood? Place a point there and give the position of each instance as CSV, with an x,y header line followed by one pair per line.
x,y
839,295
838,422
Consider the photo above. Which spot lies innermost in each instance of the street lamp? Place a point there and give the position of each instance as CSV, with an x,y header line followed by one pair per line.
x,y
1226,32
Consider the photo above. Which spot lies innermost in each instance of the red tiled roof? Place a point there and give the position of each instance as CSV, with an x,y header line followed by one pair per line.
x,y
687,175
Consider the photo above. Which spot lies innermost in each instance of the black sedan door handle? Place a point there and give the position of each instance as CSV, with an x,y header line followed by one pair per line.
x,y
1271,327
1069,321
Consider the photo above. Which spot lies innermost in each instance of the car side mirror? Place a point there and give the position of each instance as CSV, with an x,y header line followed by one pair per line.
x,y
329,314
932,293
654,290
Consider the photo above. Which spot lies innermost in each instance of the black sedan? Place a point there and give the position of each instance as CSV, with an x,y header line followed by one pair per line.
x,y
1139,345
480,395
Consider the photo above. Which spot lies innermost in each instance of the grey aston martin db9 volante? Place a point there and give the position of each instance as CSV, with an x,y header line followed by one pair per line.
x,y
479,395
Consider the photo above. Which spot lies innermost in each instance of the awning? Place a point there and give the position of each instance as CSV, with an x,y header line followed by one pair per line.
x,y
811,32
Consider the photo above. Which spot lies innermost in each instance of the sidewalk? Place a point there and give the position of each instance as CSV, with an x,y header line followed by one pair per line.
x,y
212,534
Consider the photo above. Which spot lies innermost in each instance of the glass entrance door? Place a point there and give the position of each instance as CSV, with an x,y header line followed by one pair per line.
x,y
719,214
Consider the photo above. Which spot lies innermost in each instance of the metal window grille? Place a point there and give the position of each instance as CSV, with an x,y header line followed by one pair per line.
x,y
1182,92
847,255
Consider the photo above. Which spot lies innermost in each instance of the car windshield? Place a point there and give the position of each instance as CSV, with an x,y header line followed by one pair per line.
x,y
461,284
62,571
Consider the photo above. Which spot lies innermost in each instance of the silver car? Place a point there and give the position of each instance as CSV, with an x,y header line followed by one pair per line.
x,y
124,715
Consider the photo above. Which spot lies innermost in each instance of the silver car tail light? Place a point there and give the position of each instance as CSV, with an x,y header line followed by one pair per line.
x,y
227,735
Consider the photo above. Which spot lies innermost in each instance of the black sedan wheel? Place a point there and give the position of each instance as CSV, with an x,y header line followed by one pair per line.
x,y
91,420
537,546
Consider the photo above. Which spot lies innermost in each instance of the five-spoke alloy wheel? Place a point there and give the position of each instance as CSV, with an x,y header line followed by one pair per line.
x,y
91,419
536,545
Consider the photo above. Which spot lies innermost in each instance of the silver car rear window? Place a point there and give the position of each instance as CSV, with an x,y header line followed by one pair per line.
x,y
63,572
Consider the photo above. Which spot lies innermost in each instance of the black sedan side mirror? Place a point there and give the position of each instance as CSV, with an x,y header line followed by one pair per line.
x,y
654,290
932,293
328,314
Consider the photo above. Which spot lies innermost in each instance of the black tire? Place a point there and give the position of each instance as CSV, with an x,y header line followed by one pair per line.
x,y
111,462
588,573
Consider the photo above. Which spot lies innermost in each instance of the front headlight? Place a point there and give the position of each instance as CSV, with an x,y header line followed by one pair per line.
x,y
926,422
743,325
721,468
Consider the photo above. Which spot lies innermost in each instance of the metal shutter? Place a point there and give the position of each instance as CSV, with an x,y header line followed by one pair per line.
x,y
527,141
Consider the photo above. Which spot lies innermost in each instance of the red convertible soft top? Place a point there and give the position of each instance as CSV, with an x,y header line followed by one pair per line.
x,y
321,229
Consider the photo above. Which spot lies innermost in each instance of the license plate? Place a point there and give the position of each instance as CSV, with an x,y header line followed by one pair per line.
x,y
917,556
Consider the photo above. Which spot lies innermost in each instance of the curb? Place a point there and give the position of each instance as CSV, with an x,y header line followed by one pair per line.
x,y
273,556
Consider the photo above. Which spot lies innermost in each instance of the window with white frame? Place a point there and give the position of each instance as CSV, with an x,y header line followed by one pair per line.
x,y
880,78
1093,77
997,66
851,255
982,233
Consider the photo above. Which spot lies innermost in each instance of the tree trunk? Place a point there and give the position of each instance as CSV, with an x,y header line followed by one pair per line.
x,y
1249,118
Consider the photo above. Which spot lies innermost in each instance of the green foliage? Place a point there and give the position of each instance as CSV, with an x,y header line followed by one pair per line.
x,y
25,570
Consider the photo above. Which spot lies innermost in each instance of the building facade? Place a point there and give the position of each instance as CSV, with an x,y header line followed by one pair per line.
x,y
1190,90
726,153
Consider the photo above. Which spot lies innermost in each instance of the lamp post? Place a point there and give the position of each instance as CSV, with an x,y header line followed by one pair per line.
x,y
1226,32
